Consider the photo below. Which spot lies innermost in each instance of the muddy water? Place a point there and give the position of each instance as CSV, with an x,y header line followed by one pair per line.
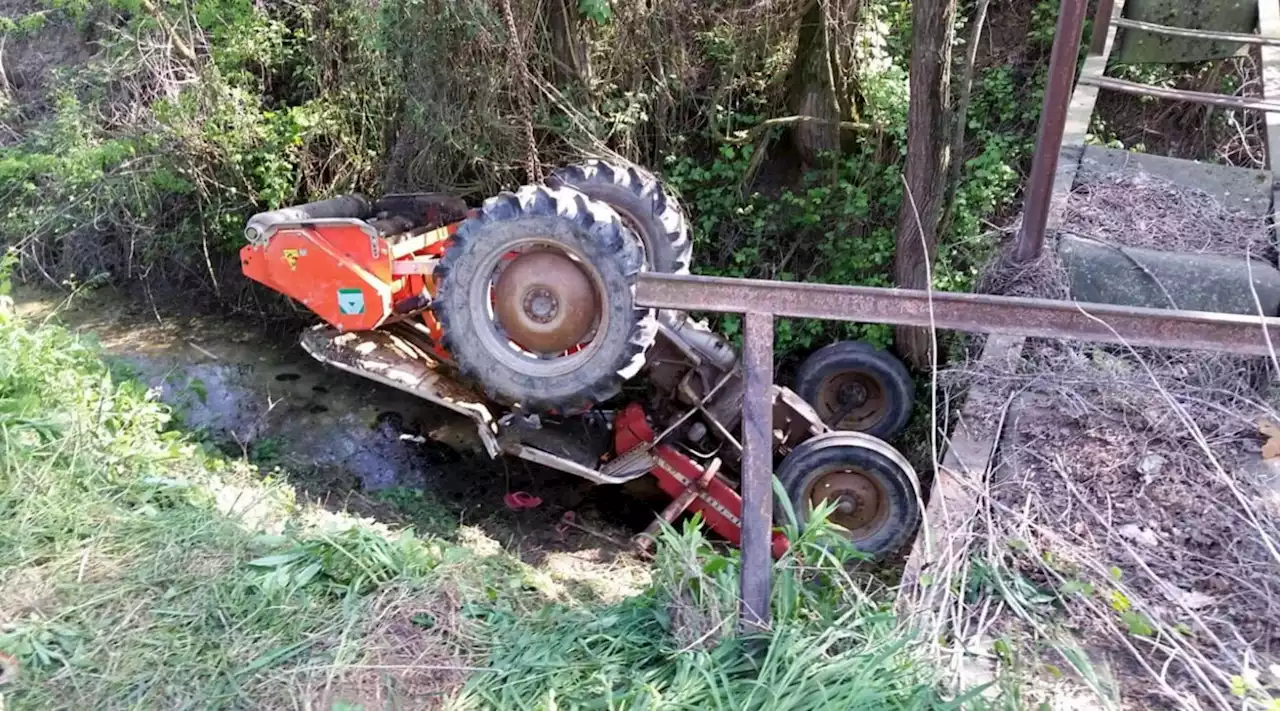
x,y
257,394
254,393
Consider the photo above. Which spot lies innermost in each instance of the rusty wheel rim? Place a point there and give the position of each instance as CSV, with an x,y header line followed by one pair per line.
x,y
543,306
545,302
851,401
861,503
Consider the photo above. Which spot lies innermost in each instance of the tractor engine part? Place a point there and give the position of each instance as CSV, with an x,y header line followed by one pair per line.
x,y
698,339
718,502
644,540
536,301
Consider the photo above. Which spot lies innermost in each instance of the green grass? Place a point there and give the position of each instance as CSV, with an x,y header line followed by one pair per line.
x,y
831,645
138,570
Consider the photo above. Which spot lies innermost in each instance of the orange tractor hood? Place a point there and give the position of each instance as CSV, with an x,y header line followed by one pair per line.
x,y
340,269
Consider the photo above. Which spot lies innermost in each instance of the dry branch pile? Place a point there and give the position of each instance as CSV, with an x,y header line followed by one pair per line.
x,y
1131,487
1146,211
1134,211
1128,539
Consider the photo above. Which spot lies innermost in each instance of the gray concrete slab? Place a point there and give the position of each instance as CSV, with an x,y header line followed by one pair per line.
x,y
1239,190
1133,276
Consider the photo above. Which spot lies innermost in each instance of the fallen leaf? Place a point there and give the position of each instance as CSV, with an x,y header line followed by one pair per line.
x,y
1194,600
1271,430
1145,536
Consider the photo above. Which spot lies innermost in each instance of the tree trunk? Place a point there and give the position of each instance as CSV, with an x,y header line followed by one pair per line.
x,y
570,61
926,170
961,120
811,87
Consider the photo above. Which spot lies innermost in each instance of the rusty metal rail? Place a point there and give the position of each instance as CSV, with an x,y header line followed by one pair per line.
x,y
976,313
1101,26
757,458
761,301
1063,64
1194,97
1063,59
1212,35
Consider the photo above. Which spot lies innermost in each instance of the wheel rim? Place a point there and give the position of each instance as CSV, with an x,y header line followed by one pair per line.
x,y
862,505
544,302
851,401
539,306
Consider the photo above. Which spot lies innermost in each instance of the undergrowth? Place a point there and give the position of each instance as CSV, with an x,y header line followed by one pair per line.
x,y
180,120
141,570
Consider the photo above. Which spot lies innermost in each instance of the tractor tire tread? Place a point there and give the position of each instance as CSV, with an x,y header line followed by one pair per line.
x,y
665,230
605,241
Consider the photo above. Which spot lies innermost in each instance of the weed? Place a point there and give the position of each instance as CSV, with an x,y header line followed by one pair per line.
x,y
265,451
831,647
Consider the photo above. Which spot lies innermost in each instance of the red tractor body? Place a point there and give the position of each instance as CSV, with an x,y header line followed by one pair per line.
x,y
520,315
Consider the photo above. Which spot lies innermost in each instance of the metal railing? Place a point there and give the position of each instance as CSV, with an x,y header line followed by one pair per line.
x,y
1063,64
760,301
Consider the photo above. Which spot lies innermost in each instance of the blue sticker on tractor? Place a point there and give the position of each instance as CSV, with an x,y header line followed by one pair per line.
x,y
351,301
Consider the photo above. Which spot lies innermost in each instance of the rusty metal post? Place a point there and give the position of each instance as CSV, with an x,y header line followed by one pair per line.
x,y
757,471
1053,122
1101,26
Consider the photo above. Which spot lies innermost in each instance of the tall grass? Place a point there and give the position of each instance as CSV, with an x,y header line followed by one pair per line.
x,y
139,571
832,645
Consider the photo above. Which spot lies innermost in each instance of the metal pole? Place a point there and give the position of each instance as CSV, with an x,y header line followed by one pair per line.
x,y
1211,35
757,471
1101,26
1053,122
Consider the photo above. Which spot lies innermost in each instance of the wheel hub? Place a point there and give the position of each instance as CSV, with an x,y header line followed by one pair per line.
x,y
541,305
860,504
853,393
544,302
851,400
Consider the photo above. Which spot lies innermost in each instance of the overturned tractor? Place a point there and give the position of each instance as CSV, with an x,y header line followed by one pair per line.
x,y
521,315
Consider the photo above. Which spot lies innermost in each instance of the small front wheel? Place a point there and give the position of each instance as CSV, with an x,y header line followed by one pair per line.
x,y
874,488
856,387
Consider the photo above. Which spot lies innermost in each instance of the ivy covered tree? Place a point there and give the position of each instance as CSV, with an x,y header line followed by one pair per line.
x,y
925,172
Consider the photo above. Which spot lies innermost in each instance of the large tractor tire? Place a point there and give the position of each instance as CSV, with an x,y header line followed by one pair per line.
x,y
537,301
874,489
640,200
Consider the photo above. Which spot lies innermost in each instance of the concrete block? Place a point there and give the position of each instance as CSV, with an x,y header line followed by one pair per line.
x,y
1133,276
1239,190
